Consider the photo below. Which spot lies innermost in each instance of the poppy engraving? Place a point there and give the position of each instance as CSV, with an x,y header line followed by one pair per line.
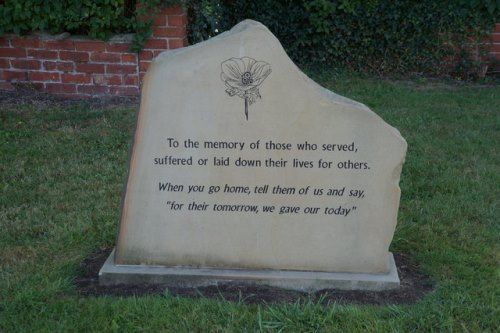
x,y
243,76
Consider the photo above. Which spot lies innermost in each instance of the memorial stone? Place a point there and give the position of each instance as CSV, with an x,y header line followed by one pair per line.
x,y
244,169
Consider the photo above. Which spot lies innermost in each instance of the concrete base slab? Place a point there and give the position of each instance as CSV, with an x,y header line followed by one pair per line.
x,y
111,274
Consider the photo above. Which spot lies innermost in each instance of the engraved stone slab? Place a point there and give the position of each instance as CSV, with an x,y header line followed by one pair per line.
x,y
240,161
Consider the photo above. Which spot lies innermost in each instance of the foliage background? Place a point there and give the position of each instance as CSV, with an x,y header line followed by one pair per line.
x,y
96,18
375,36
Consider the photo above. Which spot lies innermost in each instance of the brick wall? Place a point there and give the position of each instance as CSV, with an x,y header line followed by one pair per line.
x,y
495,47
81,67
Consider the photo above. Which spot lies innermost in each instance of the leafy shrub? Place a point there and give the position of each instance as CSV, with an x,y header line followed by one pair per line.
x,y
377,36
96,18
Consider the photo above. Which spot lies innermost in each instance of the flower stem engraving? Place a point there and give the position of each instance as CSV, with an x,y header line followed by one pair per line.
x,y
246,107
243,76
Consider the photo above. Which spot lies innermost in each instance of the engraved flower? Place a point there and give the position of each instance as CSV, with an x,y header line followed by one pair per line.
x,y
243,76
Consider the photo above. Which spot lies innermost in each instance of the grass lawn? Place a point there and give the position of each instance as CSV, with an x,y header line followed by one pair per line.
x,y
62,168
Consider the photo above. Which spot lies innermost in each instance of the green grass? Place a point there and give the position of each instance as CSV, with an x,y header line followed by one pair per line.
x,y
62,170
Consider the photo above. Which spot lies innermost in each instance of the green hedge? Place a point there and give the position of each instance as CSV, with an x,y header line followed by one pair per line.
x,y
95,18
377,36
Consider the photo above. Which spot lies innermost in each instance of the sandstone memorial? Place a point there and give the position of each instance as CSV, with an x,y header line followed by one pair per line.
x,y
245,170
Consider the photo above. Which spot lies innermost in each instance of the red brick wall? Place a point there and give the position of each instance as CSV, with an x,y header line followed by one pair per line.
x,y
495,47
81,67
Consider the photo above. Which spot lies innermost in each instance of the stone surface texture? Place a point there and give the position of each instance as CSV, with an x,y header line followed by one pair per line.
x,y
187,96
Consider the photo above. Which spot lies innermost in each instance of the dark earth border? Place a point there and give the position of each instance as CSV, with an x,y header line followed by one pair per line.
x,y
414,286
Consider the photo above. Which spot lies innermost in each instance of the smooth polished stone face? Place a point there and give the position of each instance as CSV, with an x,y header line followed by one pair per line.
x,y
241,161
